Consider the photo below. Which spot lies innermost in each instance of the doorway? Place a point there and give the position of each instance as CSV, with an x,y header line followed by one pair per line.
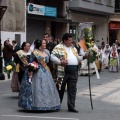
x,y
112,36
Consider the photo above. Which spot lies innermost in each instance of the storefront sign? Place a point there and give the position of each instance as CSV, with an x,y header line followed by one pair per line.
x,y
50,11
114,25
42,10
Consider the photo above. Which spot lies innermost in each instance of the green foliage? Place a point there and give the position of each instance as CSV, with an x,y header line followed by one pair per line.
x,y
88,35
92,57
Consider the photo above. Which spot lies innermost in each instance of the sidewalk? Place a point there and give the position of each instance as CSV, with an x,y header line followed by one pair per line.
x,y
105,94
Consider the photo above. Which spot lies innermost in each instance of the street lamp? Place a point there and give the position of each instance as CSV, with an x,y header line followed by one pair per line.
x,y
2,11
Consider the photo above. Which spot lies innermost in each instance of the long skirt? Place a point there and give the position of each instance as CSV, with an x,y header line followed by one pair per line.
x,y
41,93
113,66
84,68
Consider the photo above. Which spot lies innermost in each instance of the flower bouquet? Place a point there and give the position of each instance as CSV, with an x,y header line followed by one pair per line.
x,y
92,55
9,68
88,34
32,67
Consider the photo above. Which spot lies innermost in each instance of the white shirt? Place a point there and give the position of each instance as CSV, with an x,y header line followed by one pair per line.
x,y
72,60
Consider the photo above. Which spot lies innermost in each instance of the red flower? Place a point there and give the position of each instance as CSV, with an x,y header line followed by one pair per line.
x,y
113,54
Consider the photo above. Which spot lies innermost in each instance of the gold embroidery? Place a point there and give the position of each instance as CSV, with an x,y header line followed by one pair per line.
x,y
22,57
41,60
17,68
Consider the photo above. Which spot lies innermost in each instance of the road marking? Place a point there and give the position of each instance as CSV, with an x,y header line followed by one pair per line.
x,y
38,117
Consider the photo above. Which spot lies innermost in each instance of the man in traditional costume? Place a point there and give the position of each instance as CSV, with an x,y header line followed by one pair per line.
x,y
66,57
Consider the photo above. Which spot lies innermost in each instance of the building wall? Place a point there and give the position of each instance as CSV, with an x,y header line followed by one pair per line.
x,y
101,25
5,35
14,20
105,6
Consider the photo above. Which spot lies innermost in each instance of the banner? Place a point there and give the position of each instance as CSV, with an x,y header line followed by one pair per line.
x,y
42,10
82,27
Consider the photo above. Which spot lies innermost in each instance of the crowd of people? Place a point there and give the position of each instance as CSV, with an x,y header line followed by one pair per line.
x,y
55,63
108,57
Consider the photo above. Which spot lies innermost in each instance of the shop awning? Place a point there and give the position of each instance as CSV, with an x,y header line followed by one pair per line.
x,y
46,18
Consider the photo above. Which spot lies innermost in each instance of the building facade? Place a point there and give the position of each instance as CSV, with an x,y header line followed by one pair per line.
x,y
13,21
114,24
96,11
26,20
50,19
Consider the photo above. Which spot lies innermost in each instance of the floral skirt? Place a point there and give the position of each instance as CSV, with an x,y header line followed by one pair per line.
x,y
41,94
113,66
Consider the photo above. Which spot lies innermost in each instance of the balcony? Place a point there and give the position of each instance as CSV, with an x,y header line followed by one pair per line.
x,y
92,6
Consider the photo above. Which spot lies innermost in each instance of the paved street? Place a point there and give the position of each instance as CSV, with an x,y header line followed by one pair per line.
x,y
105,93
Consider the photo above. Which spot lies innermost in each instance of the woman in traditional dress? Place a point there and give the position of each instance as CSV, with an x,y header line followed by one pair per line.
x,y
113,65
41,92
100,53
21,59
106,52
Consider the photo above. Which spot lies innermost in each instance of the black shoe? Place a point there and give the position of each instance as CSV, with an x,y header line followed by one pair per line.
x,y
72,110
106,68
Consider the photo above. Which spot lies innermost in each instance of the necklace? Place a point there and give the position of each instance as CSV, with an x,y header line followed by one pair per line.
x,y
25,51
41,50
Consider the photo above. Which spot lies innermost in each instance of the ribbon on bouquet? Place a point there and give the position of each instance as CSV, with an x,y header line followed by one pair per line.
x,y
96,70
84,63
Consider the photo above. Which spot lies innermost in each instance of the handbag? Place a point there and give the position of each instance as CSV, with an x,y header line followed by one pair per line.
x,y
14,82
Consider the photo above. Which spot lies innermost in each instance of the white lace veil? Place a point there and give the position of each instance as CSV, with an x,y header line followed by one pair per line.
x,y
32,46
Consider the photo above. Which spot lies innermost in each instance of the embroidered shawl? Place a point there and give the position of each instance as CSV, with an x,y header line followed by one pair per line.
x,y
41,61
60,52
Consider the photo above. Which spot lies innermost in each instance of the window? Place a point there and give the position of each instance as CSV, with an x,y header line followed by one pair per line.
x,y
117,6
73,31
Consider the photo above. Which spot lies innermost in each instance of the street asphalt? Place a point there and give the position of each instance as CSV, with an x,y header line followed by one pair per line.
x,y
105,95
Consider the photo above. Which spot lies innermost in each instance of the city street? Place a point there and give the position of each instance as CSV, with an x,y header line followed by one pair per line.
x,y
105,94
